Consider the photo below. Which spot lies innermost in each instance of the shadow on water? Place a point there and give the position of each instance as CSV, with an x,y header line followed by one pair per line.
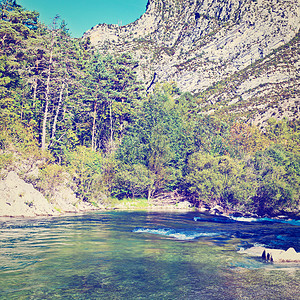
x,y
142,255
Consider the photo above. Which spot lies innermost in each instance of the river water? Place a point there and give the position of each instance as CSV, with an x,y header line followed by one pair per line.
x,y
144,255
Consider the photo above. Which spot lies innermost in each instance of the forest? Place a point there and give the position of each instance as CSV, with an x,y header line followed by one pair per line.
x,y
83,118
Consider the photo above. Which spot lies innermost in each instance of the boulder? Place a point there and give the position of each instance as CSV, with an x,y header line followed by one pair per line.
x,y
273,255
217,210
203,209
184,205
253,251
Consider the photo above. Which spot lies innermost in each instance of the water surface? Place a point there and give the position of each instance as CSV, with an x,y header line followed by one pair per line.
x,y
144,255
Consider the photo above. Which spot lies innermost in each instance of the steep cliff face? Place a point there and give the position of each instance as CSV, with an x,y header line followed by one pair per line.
x,y
200,42
270,87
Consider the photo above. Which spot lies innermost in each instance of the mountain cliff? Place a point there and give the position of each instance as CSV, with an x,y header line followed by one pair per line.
x,y
209,43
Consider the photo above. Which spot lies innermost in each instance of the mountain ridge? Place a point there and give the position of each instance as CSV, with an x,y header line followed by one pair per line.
x,y
200,43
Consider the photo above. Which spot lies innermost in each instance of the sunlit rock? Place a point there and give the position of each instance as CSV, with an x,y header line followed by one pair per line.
x,y
18,198
200,43
273,255
184,205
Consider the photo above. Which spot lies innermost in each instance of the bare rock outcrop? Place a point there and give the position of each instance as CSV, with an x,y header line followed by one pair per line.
x,y
21,199
205,46
273,255
18,198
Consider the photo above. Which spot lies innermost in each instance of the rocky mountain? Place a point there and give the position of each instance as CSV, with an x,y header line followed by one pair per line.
x,y
239,56
269,87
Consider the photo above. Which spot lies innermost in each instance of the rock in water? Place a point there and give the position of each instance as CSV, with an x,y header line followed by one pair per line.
x,y
273,255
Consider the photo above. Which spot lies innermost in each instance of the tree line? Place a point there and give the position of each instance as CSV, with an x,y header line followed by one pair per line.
x,y
88,119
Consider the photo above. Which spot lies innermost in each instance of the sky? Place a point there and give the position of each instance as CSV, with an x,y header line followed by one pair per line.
x,y
81,15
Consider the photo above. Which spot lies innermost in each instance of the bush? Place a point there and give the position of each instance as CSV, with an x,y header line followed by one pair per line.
x,y
220,179
133,181
50,178
86,166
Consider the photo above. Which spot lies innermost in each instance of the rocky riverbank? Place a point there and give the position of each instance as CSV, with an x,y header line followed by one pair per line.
x,y
21,199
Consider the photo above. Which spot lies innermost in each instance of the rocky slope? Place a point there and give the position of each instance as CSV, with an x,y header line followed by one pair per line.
x,y
21,199
270,87
198,43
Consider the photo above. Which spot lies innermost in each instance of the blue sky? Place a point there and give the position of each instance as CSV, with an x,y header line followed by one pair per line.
x,y
82,15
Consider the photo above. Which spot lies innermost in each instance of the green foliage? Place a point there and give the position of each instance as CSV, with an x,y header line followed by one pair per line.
x,y
88,110
6,160
159,139
201,179
50,178
133,181
211,135
133,204
278,173
17,26
85,166
115,95
244,139
17,137
220,179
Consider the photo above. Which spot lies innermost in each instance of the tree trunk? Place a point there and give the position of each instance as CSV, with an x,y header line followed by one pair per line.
x,y
149,194
111,125
94,127
47,99
57,111
35,84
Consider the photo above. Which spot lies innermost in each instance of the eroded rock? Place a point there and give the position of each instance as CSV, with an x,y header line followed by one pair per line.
x,y
199,43
273,255
18,198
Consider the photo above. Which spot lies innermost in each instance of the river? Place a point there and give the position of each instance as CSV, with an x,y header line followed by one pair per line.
x,y
144,255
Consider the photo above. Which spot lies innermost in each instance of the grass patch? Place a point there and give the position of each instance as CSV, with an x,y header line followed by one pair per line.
x,y
135,204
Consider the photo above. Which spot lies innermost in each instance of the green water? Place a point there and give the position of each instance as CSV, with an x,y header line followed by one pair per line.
x,y
103,256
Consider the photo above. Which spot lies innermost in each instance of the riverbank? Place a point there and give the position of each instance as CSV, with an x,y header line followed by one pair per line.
x,y
21,199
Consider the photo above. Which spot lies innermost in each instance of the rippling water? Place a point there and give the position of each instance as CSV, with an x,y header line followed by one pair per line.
x,y
144,255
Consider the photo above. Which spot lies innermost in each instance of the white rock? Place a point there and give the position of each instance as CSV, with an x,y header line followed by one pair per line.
x,y
18,198
183,205
273,255
249,31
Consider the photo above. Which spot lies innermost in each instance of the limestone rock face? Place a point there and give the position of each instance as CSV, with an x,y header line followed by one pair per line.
x,y
18,198
198,43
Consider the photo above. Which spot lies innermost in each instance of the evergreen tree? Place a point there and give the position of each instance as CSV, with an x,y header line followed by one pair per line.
x,y
17,29
114,96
